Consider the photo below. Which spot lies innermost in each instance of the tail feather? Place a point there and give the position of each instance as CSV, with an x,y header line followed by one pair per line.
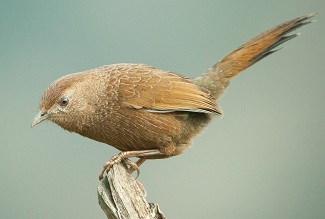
x,y
217,78
270,50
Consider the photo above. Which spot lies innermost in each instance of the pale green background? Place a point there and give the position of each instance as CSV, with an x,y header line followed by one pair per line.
x,y
264,159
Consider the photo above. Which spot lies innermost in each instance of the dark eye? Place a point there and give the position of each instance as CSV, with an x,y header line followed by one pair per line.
x,y
63,101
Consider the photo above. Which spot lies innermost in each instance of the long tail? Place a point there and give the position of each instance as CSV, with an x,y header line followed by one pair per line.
x,y
217,78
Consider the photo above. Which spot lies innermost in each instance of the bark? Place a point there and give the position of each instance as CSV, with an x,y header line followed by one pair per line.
x,y
121,196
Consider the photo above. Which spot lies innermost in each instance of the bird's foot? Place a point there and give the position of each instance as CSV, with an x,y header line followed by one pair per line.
x,y
132,167
123,156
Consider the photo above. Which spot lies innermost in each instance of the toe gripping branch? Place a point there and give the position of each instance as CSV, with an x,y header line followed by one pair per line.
x,y
124,156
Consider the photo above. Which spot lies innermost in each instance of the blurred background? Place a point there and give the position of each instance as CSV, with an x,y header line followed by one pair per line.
x,y
264,159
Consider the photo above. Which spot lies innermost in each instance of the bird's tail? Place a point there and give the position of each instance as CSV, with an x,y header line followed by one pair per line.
x,y
217,78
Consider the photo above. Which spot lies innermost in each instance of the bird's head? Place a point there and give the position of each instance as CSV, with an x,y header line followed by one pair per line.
x,y
60,101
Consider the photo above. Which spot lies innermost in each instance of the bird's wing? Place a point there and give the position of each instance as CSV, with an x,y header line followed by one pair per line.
x,y
145,87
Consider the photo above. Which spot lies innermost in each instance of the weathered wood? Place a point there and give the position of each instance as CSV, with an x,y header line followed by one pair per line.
x,y
120,196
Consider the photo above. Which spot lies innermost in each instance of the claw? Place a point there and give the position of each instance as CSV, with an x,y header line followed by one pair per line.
x,y
108,165
133,167
124,156
115,160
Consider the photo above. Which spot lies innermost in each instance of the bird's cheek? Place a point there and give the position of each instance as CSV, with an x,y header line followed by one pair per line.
x,y
82,108
58,116
62,121
55,118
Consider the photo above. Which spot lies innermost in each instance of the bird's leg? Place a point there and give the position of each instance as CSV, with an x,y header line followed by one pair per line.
x,y
128,154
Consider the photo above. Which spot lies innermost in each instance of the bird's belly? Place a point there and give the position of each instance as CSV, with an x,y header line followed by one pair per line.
x,y
138,130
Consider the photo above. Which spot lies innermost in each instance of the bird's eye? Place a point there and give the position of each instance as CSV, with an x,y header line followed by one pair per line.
x,y
63,101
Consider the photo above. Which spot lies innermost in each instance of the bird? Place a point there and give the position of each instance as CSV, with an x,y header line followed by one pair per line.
x,y
147,113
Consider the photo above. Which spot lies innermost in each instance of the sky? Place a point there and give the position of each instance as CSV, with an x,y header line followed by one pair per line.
x,y
264,159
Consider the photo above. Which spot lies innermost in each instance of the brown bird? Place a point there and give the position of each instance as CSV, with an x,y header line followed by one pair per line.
x,y
146,112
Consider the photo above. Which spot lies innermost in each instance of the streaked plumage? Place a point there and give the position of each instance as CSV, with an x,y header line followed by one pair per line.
x,y
146,112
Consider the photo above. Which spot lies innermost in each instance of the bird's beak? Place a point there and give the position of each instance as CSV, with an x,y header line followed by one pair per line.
x,y
41,116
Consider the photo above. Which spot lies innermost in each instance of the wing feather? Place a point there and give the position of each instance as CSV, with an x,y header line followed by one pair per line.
x,y
145,87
